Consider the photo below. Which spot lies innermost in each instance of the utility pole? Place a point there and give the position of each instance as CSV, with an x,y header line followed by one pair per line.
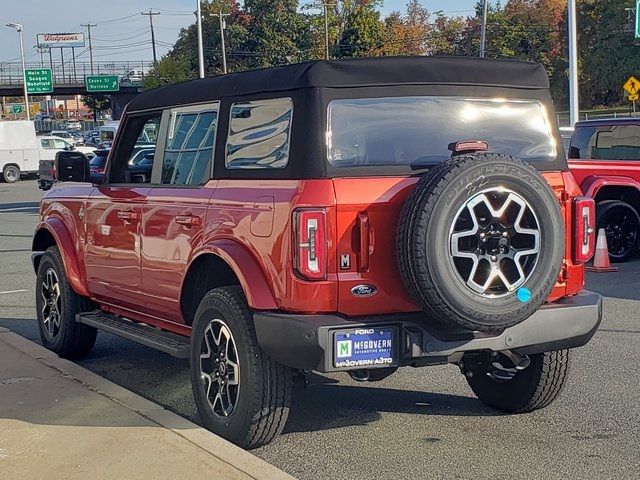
x,y
574,98
89,25
41,51
223,26
483,30
150,14
325,7
200,46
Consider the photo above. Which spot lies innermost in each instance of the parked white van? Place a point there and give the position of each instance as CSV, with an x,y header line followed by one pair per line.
x,y
21,150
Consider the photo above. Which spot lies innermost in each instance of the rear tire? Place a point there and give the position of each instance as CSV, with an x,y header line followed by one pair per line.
x,y
57,305
11,174
622,226
533,388
247,399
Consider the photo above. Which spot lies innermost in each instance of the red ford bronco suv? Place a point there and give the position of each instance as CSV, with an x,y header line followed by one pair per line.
x,y
356,216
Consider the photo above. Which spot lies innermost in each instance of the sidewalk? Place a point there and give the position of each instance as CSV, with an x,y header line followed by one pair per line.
x,y
59,420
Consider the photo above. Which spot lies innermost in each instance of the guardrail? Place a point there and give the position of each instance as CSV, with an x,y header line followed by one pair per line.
x,y
49,125
70,74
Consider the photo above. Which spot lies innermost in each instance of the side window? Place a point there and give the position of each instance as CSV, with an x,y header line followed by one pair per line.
x,y
46,144
259,134
58,143
189,146
129,166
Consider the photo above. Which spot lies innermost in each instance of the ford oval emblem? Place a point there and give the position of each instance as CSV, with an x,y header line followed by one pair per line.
x,y
364,291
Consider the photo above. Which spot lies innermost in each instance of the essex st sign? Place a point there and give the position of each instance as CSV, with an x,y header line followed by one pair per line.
x,y
39,80
102,83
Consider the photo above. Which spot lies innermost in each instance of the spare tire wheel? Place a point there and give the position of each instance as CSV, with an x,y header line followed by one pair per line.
x,y
481,241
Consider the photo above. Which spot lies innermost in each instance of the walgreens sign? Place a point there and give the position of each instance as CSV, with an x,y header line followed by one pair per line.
x,y
60,40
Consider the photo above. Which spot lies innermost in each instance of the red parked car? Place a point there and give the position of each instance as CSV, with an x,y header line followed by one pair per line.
x,y
356,216
604,157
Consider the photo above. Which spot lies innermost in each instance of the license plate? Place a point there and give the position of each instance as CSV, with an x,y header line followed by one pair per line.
x,y
364,348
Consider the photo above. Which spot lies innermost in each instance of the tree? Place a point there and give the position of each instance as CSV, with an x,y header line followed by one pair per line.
x,y
363,34
98,102
170,69
277,33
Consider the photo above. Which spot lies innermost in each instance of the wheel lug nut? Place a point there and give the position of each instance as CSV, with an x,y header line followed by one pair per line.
x,y
494,258
482,235
505,234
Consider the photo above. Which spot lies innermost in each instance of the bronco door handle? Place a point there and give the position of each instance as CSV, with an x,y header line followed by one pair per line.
x,y
188,220
128,216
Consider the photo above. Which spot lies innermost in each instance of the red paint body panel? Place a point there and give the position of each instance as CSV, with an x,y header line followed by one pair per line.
x,y
173,221
592,175
132,246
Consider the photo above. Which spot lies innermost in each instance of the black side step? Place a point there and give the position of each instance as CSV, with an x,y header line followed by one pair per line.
x,y
175,345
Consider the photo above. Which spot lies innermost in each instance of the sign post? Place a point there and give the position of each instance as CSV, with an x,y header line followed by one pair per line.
x,y
102,83
39,81
632,86
637,29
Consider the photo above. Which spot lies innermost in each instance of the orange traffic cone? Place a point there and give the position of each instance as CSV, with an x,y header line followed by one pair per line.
x,y
601,262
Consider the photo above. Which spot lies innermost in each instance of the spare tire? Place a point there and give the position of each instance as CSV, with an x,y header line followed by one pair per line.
x,y
481,241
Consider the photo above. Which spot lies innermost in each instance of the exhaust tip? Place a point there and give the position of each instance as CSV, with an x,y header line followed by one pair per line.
x,y
361,375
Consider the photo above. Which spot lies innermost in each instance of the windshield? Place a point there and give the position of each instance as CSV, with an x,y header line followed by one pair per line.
x,y
396,131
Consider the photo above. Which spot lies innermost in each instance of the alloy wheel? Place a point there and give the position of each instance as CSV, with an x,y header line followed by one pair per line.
x,y
52,302
220,368
495,242
621,230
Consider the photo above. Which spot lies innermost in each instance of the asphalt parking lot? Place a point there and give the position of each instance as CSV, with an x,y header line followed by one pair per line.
x,y
418,423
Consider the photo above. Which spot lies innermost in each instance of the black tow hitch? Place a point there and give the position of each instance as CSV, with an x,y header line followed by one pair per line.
x,y
499,366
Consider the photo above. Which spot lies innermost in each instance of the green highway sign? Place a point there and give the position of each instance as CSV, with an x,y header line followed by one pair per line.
x,y
39,80
17,108
102,83
637,29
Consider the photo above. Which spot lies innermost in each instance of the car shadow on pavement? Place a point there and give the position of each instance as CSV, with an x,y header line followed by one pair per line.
x,y
327,403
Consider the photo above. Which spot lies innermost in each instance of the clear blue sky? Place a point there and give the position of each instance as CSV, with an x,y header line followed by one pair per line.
x,y
122,32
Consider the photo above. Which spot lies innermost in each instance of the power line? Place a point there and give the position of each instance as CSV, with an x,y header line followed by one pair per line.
x,y
119,38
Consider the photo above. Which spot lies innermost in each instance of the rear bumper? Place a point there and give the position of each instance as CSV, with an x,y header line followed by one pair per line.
x,y
305,341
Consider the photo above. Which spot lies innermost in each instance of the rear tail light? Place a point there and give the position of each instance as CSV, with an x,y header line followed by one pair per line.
x,y
310,243
585,229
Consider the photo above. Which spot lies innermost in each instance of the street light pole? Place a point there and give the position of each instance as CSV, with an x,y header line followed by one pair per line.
x,y
223,26
200,47
574,98
18,28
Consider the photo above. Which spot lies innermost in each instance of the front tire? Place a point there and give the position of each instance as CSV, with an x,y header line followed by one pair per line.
x,y
11,174
530,389
241,394
57,305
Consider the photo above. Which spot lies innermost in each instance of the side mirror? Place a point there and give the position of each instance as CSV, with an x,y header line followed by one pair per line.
x,y
72,166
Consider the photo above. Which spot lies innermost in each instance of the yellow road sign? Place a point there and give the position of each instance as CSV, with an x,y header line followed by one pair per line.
x,y
632,85
634,98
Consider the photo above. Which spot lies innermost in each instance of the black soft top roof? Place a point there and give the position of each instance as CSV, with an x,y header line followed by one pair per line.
x,y
381,71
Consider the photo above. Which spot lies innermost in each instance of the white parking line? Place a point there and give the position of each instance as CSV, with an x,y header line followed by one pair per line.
x,y
12,291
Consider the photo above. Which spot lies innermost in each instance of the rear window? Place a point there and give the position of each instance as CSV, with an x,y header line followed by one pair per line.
x,y
418,130
607,142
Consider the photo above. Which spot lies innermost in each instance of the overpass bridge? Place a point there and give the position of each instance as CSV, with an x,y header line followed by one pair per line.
x,y
68,77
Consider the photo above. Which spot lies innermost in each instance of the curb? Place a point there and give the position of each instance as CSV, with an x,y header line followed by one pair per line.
x,y
216,446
